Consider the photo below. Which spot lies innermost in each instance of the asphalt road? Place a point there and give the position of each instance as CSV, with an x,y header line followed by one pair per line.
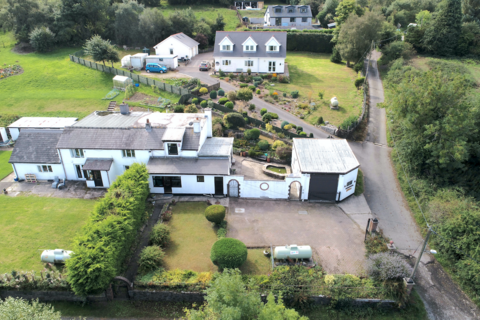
x,y
441,296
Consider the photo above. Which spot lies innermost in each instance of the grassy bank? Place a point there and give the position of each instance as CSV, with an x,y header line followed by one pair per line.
x,y
5,167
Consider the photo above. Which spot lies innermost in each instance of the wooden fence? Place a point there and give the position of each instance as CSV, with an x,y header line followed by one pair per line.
x,y
138,78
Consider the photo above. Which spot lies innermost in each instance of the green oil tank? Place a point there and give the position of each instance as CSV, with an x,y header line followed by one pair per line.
x,y
293,252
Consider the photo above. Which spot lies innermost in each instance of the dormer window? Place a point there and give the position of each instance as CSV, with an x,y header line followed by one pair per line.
x,y
303,10
278,10
272,48
290,10
249,48
172,149
226,47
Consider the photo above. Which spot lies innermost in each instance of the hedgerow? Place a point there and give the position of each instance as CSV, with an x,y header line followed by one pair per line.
x,y
102,246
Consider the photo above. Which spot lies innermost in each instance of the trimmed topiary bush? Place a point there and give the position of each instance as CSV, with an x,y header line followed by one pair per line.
x,y
203,91
229,105
213,94
258,91
233,120
178,109
310,135
195,101
203,104
252,88
160,235
222,100
215,213
303,134
262,145
252,134
228,253
221,92
284,123
263,111
294,94
151,258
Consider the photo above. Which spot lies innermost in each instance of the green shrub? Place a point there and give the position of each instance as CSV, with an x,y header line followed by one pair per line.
x,y
249,71
299,128
203,104
257,78
243,85
287,127
252,134
284,94
160,235
386,266
210,104
195,101
293,125
252,88
263,111
358,66
359,82
232,95
42,39
178,109
150,258
320,120
228,253
284,152
215,213
251,107
245,114
335,57
258,91
284,123
263,145
303,134
294,94
222,230
229,104
278,143
233,120
203,91
349,122
221,73
20,309
223,100
221,92
269,116
191,108
213,94
310,135
217,130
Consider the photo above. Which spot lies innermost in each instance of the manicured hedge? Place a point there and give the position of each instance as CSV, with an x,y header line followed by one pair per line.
x,y
215,213
312,42
228,253
101,247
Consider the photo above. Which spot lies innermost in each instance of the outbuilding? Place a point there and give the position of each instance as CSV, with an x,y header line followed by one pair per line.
x,y
121,82
171,62
38,123
137,61
330,164
179,45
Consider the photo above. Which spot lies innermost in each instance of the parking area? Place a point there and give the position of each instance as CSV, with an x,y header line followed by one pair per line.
x,y
333,236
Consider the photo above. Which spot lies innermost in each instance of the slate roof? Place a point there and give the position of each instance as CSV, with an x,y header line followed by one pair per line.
x,y
97,164
324,155
106,119
285,14
260,37
36,146
191,140
183,38
216,147
196,166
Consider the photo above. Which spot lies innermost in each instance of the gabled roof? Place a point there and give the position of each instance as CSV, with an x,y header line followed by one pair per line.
x,y
183,38
285,14
273,37
36,146
249,38
324,155
239,37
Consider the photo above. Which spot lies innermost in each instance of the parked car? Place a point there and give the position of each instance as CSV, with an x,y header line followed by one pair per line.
x,y
155,67
205,66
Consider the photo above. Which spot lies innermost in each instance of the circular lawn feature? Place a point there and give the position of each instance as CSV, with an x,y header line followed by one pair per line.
x,y
228,253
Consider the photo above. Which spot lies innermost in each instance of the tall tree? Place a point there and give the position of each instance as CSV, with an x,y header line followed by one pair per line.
x,y
345,8
101,50
155,27
441,37
184,21
357,34
471,11
127,22
24,16
22,309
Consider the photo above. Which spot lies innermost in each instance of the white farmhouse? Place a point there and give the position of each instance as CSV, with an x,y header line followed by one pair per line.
x,y
288,16
178,44
38,123
261,52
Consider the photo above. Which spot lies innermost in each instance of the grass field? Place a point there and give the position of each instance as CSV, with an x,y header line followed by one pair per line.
x,y
5,167
311,73
257,263
33,223
277,169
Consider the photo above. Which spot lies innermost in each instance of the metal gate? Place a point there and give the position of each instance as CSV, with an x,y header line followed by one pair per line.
x,y
233,188
323,187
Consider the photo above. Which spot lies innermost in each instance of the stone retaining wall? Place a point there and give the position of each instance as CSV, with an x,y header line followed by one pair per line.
x,y
51,296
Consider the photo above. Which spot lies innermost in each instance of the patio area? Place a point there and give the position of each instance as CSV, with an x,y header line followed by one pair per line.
x,y
253,169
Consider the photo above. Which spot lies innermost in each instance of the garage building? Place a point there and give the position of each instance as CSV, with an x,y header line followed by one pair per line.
x,y
331,165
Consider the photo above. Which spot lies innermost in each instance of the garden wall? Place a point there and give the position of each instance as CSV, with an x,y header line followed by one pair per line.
x,y
51,296
140,79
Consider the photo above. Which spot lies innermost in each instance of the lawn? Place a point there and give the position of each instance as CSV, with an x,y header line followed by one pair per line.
x,y
257,263
30,224
253,13
277,169
5,167
311,73
192,237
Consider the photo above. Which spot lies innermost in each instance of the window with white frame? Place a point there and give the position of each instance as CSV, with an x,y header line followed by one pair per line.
x,y
171,50
292,19
126,167
77,153
304,19
226,62
248,63
290,10
249,48
272,48
44,168
303,10
226,47
128,153
272,66
278,10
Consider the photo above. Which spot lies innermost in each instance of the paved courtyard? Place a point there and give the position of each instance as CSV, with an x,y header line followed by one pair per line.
x,y
253,169
335,238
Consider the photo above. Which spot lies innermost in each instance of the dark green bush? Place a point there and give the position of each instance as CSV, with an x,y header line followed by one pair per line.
x,y
213,94
284,123
294,94
228,253
221,73
252,88
222,100
160,235
358,66
215,213
252,134
203,104
310,135
349,122
251,107
269,116
233,120
151,258
293,125
221,92
243,85
303,134
263,111
229,104
359,82
178,109
258,78
263,145
299,128
311,42
195,101
42,39
335,57
320,120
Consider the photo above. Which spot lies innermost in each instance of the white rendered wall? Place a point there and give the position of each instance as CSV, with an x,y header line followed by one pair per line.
x,y
189,185
260,65
30,168
3,133
14,132
179,49
342,184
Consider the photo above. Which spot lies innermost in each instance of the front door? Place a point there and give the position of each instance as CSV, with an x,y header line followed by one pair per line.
x,y
271,66
167,184
278,21
219,186
97,178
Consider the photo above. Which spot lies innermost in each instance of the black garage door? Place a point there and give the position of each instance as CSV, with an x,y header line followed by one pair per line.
x,y
323,187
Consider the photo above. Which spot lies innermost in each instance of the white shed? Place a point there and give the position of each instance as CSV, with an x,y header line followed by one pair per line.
x,y
330,164
138,60
170,62
126,63
178,44
121,82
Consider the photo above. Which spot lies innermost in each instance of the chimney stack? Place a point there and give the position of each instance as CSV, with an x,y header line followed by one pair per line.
x,y
124,108
148,126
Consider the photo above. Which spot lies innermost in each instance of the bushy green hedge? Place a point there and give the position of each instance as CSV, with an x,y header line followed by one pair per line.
x,y
221,92
347,123
228,253
222,100
151,258
160,235
312,42
101,247
203,104
215,213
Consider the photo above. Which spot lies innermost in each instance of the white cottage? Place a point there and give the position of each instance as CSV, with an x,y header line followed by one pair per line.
x,y
261,52
38,123
288,16
178,44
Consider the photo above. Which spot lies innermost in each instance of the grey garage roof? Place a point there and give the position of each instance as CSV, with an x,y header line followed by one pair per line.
x,y
260,37
324,155
105,119
191,140
36,146
216,147
285,14
187,166
97,164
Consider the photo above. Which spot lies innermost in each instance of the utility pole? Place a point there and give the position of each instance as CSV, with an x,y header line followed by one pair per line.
x,y
409,283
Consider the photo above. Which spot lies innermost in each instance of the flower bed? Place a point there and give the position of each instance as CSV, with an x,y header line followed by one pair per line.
x,y
11,70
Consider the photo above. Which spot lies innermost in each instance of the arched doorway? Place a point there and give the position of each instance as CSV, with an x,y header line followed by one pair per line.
x,y
233,188
295,191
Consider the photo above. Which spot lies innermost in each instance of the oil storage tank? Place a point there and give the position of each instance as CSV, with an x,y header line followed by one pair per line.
x,y
55,256
293,252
